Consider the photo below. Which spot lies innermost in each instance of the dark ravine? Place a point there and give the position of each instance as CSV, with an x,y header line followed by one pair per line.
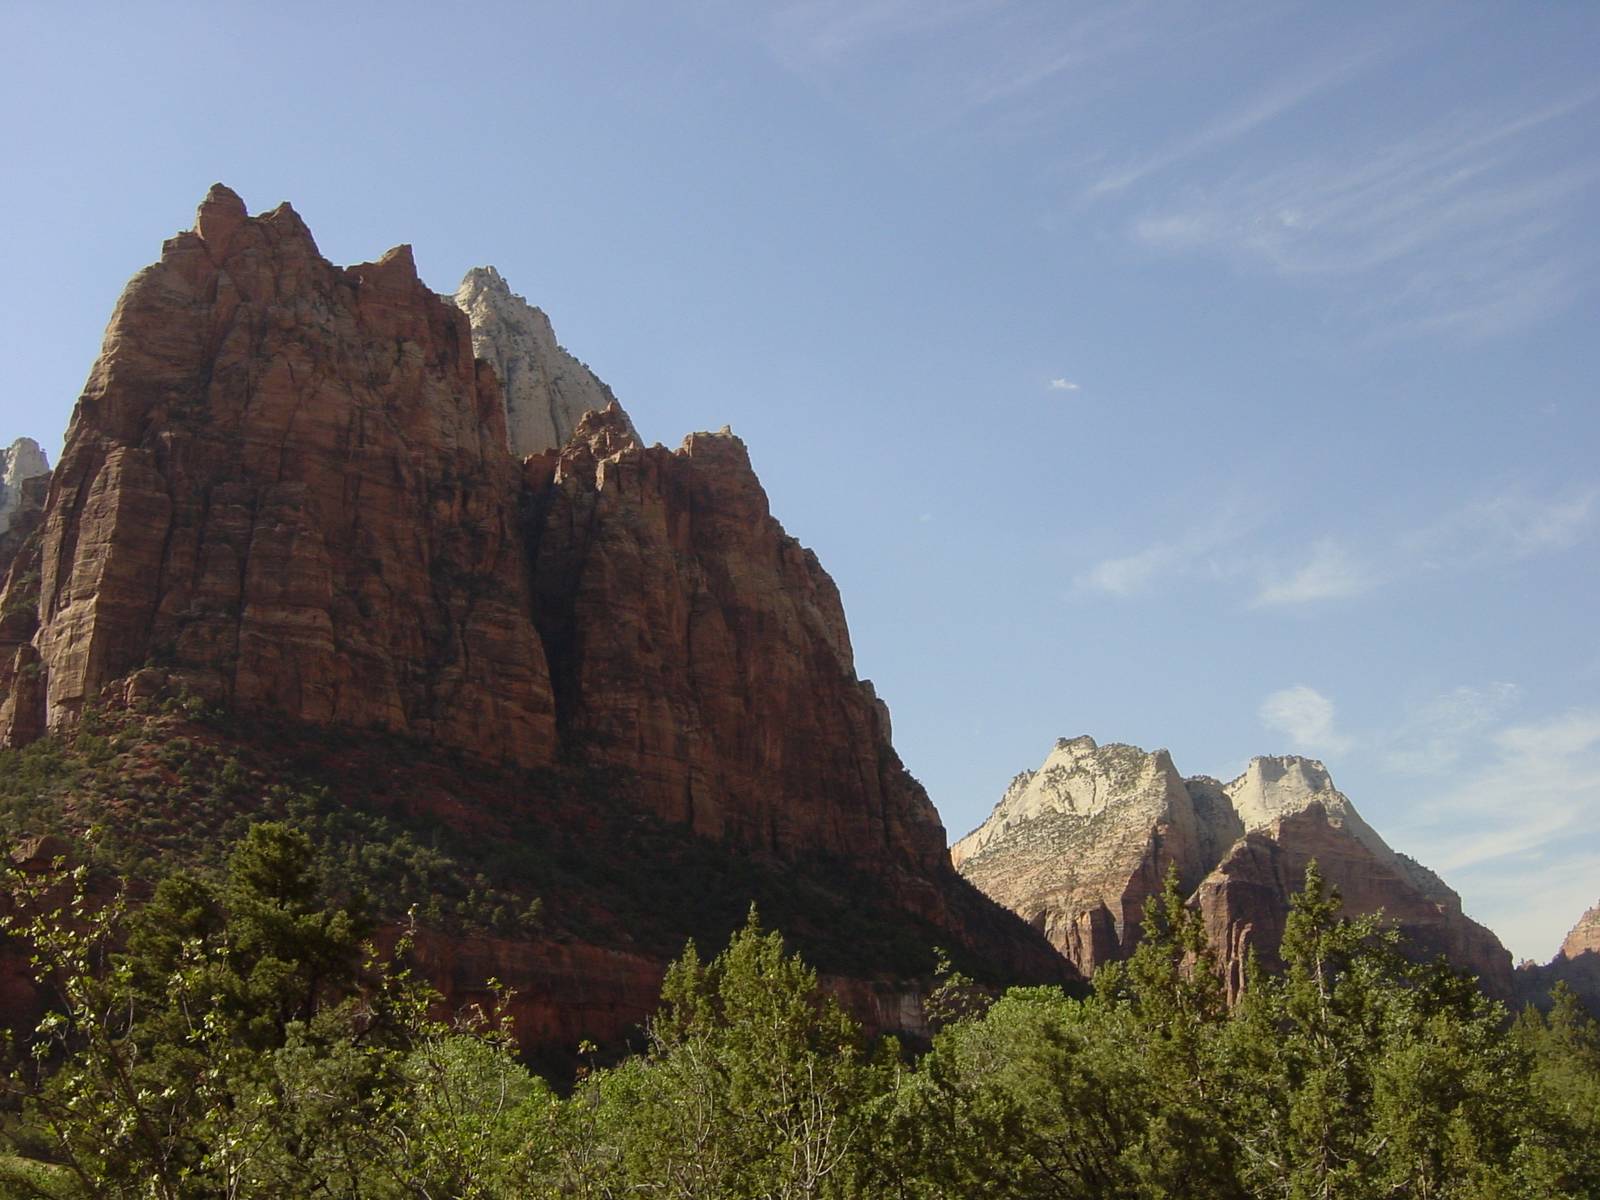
x,y
287,491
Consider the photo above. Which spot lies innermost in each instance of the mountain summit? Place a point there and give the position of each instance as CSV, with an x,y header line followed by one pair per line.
x,y
1078,846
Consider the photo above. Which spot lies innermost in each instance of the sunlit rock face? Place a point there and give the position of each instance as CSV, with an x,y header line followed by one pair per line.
x,y
19,462
1585,935
546,390
1079,846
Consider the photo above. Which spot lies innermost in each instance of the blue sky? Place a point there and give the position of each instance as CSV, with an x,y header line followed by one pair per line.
x,y
1218,377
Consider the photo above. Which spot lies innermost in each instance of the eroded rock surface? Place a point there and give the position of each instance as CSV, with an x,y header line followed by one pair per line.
x,y
1077,848
546,389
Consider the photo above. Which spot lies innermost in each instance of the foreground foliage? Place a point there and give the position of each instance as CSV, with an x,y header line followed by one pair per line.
x,y
242,1039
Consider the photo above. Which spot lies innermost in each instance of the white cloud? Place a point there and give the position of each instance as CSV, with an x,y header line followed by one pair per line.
x,y
1469,230
1063,385
1196,553
1505,528
1330,574
1132,574
1515,832
1306,716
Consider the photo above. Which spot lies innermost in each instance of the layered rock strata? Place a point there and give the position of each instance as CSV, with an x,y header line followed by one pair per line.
x,y
546,389
1077,848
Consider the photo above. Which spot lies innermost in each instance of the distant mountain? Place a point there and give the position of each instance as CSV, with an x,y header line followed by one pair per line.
x,y
1077,847
1576,964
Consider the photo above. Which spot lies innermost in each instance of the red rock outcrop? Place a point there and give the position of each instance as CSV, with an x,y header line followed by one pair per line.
x,y
1077,848
695,644
285,485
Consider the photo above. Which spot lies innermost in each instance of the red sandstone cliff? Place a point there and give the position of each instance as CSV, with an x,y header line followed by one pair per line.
x,y
286,488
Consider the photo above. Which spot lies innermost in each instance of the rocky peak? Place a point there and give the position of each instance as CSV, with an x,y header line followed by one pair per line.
x,y
1585,936
1078,846
547,390
19,462
1079,779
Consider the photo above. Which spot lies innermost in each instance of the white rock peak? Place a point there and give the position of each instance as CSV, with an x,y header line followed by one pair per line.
x,y
547,390
21,461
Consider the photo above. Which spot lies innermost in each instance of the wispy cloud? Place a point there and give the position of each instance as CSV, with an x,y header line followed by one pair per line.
x,y
1306,717
1200,551
1481,534
1063,385
1133,573
1505,832
1331,573
1285,94
1464,219
1507,527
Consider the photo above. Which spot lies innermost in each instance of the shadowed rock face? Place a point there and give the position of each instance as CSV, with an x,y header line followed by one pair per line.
x,y
695,643
1077,847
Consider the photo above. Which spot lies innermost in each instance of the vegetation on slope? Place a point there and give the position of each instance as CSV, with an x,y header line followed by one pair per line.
x,y
242,1042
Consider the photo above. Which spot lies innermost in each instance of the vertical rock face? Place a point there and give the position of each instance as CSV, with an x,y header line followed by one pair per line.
x,y
286,487
694,643
19,462
1077,847
546,389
